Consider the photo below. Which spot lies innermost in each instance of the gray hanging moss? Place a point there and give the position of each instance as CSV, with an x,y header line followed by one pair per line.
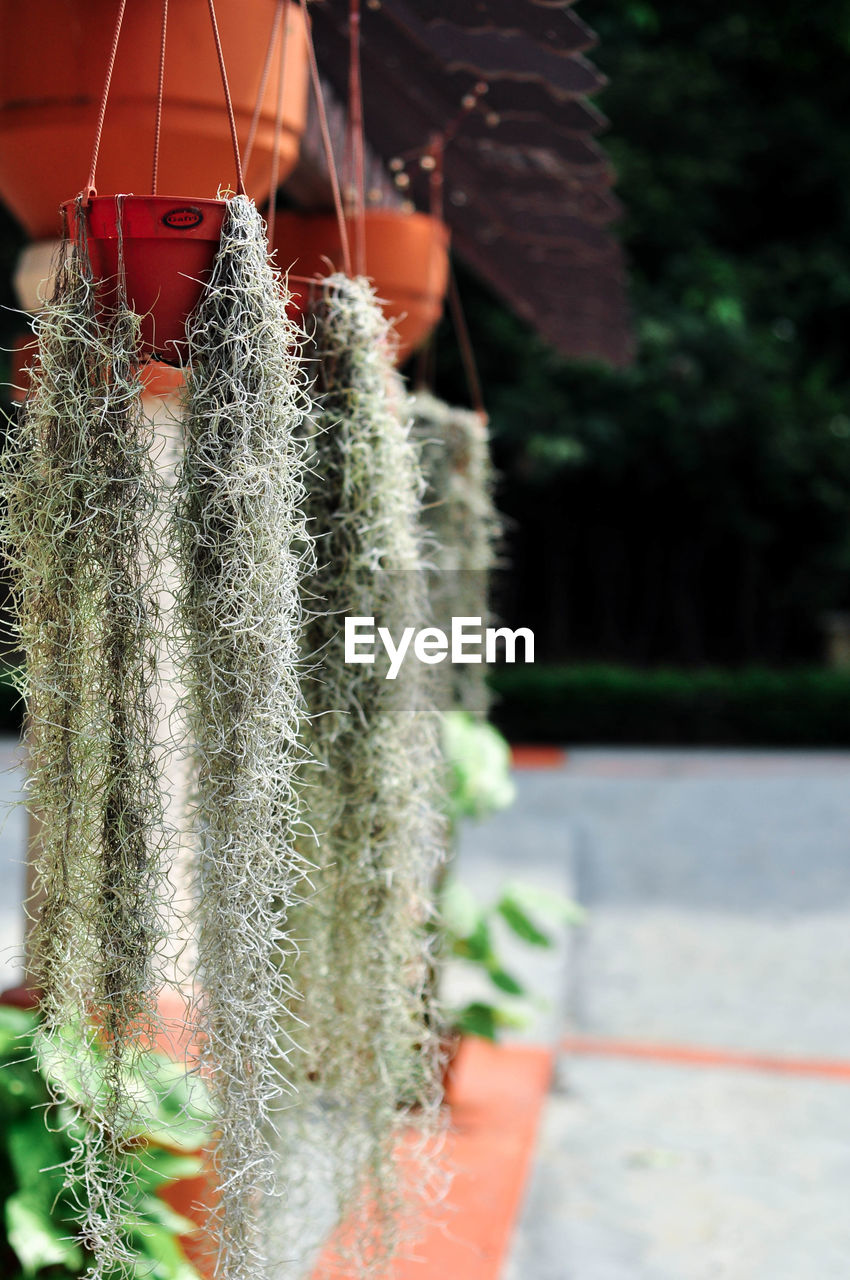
x,y
81,491
370,1069
461,515
242,547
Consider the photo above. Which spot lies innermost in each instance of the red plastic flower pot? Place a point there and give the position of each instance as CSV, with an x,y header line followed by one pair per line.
x,y
169,246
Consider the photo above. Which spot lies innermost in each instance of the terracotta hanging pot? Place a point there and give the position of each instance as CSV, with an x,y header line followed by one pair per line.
x,y
159,381
52,59
169,246
407,257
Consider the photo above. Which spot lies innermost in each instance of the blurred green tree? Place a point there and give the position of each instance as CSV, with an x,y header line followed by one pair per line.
x,y
695,507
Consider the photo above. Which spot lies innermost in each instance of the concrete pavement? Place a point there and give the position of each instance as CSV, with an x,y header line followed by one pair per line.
x,y
718,892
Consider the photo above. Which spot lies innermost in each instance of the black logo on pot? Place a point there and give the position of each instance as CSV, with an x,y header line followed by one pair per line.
x,y
183,219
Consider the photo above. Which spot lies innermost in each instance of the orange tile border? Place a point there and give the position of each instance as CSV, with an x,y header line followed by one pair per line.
x,y
531,756
699,1056
496,1095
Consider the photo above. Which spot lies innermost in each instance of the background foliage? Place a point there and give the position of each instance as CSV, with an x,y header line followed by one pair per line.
x,y
694,508
40,1233
747,706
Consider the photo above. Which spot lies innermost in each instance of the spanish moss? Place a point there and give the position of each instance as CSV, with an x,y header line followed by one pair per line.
x,y
371,1067
242,548
81,490
460,513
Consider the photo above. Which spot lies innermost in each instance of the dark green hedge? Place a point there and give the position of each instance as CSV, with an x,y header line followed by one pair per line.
x,y
755,707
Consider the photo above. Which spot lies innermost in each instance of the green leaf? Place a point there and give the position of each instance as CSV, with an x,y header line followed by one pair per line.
x,y
158,1244
37,1242
154,1167
478,944
15,1025
73,1064
70,1124
179,1091
506,982
152,1209
477,1019
525,928
167,1106
514,1018
459,910
547,903
178,1133
20,1088
36,1155
182,1117
479,765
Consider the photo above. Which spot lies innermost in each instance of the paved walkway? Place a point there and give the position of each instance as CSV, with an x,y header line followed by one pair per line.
x,y
718,891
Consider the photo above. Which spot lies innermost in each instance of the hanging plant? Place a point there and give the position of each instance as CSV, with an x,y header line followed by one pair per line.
x,y
242,549
370,1066
83,495
460,513
81,490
